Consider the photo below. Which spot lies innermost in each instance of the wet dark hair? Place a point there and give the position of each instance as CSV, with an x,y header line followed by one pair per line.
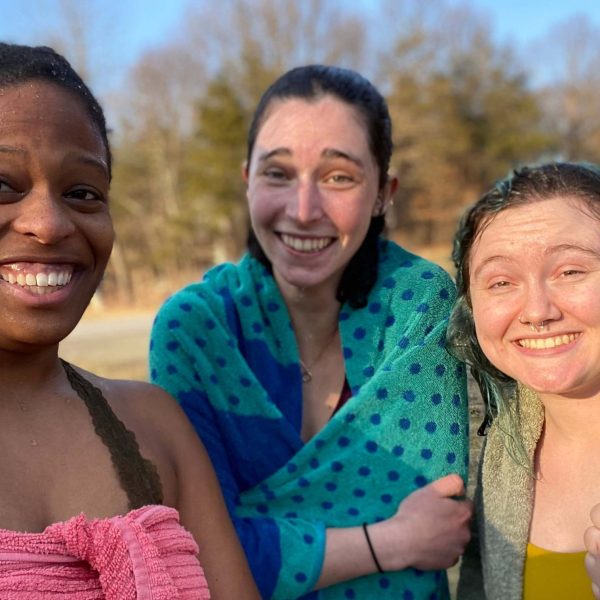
x,y
313,82
20,64
579,181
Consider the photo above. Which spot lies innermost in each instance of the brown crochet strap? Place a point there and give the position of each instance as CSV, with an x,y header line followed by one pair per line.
x,y
138,476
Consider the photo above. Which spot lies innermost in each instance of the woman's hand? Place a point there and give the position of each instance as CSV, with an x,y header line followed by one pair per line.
x,y
429,530
591,539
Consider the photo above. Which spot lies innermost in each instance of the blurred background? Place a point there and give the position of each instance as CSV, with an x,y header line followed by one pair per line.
x,y
475,89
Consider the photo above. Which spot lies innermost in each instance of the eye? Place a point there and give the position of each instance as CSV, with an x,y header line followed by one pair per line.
x,y
275,174
339,178
84,194
8,193
571,272
500,284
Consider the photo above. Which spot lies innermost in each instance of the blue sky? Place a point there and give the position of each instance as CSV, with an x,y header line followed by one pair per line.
x,y
142,24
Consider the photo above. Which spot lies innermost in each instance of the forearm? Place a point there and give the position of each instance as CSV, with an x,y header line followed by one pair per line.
x,y
348,555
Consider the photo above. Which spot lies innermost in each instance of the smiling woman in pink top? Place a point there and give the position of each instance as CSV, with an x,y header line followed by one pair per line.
x,y
95,473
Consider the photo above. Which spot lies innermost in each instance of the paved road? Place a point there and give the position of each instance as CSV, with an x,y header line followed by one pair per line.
x,y
111,345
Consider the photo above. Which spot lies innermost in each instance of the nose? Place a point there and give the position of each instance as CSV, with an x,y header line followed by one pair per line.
x,y
43,216
307,204
539,305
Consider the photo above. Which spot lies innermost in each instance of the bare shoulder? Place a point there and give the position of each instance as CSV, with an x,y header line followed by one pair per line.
x,y
162,430
137,400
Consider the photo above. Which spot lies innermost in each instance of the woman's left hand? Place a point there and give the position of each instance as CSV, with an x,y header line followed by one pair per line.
x,y
591,539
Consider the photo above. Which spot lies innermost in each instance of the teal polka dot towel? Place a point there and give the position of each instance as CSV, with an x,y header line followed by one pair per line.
x,y
226,350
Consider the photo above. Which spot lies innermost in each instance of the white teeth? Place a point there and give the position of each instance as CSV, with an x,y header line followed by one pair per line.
x,y
305,244
550,342
38,280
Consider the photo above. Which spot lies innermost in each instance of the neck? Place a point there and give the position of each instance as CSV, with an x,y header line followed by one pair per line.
x,y
28,372
573,420
314,314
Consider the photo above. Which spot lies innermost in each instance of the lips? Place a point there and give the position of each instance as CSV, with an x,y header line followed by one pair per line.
x,y
37,278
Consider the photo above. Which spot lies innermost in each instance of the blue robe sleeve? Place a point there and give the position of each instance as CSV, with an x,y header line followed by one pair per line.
x,y
176,355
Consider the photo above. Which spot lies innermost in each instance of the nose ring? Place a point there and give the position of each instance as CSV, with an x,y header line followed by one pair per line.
x,y
537,328
540,327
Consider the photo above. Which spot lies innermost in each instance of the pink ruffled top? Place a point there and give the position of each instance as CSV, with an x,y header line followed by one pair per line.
x,y
144,555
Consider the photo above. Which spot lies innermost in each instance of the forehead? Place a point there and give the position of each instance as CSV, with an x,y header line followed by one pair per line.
x,y
292,120
40,110
528,229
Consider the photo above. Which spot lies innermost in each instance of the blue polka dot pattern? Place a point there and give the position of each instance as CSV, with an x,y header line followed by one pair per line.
x,y
360,333
226,349
382,393
371,446
430,427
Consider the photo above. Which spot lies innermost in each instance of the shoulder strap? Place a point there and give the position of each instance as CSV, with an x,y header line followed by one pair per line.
x,y
138,476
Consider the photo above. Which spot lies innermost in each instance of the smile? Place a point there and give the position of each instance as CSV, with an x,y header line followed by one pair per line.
x,y
38,278
300,244
549,342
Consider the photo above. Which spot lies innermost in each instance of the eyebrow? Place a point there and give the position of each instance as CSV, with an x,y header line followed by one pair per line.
x,y
327,153
87,159
12,150
82,158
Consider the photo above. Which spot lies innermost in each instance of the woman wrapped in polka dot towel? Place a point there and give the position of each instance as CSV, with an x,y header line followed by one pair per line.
x,y
315,369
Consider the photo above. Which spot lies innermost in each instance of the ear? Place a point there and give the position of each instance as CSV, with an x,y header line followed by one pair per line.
x,y
245,172
385,197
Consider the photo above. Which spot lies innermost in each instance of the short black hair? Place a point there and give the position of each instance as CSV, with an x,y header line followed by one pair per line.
x,y
312,82
20,64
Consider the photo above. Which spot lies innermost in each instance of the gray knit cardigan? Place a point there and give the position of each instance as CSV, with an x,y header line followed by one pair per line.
x,y
493,564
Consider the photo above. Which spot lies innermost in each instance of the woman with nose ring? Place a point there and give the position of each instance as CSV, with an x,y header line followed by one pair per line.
x,y
527,320
315,369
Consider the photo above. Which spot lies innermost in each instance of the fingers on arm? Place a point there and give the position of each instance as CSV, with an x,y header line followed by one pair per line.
x,y
448,486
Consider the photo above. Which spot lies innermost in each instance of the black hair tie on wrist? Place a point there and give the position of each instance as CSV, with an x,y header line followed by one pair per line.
x,y
364,526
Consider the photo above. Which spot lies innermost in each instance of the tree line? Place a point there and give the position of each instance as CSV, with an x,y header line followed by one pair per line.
x,y
466,108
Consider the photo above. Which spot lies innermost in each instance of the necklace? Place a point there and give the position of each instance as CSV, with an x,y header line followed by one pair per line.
x,y
305,370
